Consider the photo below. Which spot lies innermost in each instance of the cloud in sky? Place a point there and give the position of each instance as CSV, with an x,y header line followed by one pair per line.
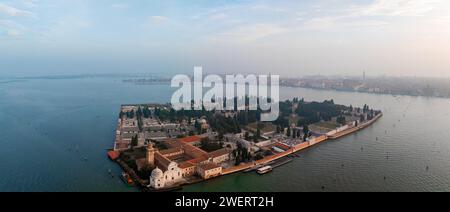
x,y
398,8
249,33
295,35
12,11
30,3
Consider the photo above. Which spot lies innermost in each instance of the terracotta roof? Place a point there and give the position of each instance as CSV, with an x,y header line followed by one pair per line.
x,y
282,146
162,161
174,143
190,139
208,166
170,151
219,153
113,155
198,160
185,165
193,151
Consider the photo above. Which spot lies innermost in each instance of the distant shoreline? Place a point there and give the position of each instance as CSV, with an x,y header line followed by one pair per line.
x,y
158,79
365,92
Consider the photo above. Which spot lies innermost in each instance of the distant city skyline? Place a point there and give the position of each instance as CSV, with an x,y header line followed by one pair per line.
x,y
290,38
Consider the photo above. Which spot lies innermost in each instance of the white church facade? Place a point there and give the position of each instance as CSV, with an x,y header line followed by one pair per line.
x,y
160,179
166,172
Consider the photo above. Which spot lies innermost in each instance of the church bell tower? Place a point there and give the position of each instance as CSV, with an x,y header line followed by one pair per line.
x,y
150,154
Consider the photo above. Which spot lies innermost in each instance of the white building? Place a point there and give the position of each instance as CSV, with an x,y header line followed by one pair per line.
x,y
160,179
166,173
157,179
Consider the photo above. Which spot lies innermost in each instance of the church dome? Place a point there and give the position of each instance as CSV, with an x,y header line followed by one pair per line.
x,y
172,165
157,173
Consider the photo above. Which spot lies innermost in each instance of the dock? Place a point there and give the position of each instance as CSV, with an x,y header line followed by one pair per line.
x,y
254,168
281,162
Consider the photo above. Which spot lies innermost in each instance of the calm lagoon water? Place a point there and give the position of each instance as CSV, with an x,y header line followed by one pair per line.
x,y
54,134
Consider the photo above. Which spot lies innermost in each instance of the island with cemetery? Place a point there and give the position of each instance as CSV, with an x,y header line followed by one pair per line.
x,y
162,149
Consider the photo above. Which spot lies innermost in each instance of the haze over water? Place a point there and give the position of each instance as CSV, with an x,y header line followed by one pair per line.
x,y
55,133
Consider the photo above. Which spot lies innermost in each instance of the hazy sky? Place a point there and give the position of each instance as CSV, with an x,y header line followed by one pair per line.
x,y
293,38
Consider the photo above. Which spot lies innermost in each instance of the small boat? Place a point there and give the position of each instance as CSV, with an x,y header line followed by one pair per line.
x,y
253,168
127,179
264,170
